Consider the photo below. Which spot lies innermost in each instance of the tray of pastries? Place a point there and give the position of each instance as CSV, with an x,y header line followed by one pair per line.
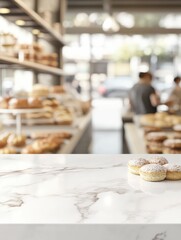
x,y
36,143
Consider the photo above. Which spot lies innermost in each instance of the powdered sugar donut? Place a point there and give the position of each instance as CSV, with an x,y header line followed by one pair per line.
x,y
173,171
134,165
158,160
153,173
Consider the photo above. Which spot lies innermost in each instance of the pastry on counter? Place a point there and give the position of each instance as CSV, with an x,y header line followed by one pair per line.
x,y
172,146
161,120
173,171
134,165
18,103
173,143
156,136
158,160
154,142
17,140
153,173
171,150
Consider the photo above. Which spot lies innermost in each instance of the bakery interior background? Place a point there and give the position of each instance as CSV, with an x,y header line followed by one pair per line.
x,y
107,44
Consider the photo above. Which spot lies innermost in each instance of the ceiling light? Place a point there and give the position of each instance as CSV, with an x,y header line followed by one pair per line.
x,y
110,25
36,31
20,22
4,10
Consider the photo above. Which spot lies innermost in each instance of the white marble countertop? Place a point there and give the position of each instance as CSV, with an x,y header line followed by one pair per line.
x,y
83,189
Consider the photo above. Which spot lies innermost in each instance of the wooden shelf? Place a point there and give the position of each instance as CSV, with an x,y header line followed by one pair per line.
x,y
19,10
31,65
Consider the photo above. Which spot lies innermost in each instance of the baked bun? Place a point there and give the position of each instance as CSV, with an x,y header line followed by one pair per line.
x,y
161,115
3,103
50,103
155,147
35,103
62,135
158,160
153,173
21,103
156,136
171,151
47,145
173,172
151,129
134,165
57,89
7,150
17,140
4,138
177,128
173,143
39,91
30,150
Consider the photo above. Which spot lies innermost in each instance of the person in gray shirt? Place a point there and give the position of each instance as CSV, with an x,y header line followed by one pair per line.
x,y
143,97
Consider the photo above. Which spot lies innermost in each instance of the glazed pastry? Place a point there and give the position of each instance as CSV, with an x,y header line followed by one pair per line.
x,y
158,160
17,140
173,172
135,165
153,173
15,103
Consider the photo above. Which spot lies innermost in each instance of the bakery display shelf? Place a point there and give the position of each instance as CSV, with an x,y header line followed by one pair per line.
x,y
9,121
18,114
20,10
31,65
21,111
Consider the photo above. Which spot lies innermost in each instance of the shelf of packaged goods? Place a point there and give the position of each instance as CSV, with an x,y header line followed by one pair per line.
x,y
31,65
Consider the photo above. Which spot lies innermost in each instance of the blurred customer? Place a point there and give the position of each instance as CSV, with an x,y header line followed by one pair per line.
x,y
175,96
143,97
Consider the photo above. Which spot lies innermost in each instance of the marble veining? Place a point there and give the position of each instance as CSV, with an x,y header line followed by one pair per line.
x,y
84,189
